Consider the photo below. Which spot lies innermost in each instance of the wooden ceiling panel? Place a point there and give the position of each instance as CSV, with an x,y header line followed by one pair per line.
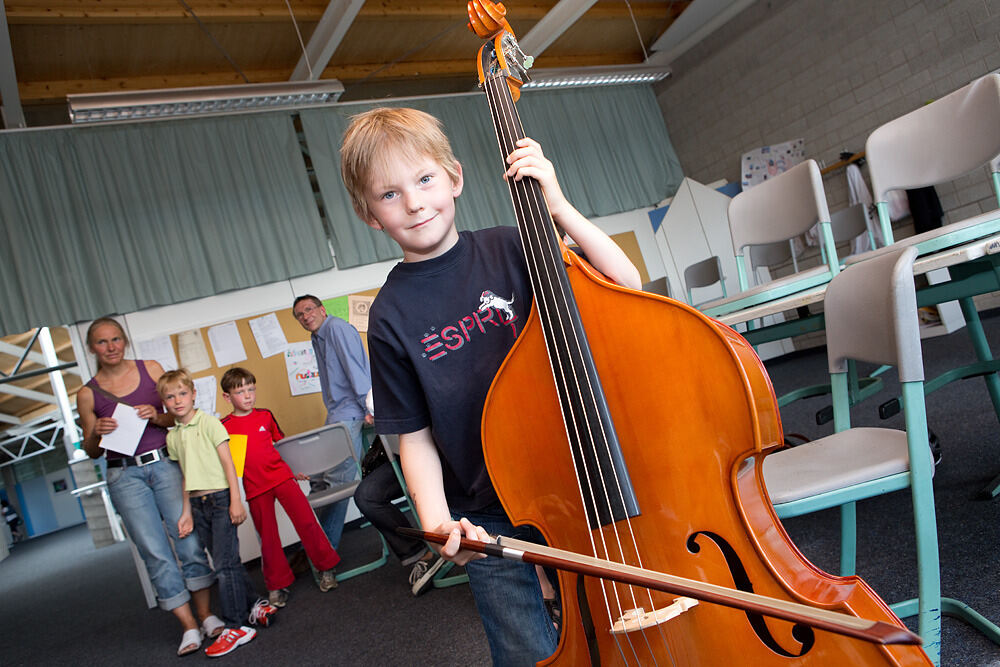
x,y
63,47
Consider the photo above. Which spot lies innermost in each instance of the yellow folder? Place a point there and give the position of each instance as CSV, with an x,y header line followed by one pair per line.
x,y
238,448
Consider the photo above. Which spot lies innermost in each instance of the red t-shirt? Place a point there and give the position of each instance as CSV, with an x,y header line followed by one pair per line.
x,y
264,468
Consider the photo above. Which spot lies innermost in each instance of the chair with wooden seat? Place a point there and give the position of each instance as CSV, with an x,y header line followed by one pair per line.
x,y
871,316
313,453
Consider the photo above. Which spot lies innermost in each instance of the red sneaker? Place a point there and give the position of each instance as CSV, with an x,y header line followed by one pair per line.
x,y
262,613
229,640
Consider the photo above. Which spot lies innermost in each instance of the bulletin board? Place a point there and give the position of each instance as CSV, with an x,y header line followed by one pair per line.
x,y
630,246
294,414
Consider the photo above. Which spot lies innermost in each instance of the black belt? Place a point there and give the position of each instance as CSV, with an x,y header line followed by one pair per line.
x,y
143,459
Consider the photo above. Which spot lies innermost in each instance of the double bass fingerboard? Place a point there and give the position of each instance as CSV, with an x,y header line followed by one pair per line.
x,y
607,491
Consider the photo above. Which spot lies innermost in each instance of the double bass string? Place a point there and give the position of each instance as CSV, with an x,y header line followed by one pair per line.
x,y
507,134
567,360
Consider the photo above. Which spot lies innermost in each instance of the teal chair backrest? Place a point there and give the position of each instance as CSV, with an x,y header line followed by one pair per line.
x,y
779,209
936,143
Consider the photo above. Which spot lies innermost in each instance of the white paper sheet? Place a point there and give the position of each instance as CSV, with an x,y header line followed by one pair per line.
x,y
227,347
357,311
125,438
269,336
206,395
303,373
158,349
192,350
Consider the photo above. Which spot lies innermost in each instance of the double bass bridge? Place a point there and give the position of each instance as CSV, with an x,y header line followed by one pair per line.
x,y
640,619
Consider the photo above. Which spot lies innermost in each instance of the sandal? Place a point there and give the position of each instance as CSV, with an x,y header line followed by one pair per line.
x,y
212,627
190,642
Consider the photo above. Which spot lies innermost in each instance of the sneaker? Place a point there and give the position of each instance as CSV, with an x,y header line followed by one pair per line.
x,y
229,640
327,580
261,613
278,598
422,575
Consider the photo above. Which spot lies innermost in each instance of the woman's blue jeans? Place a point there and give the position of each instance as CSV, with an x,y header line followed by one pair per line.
x,y
148,498
509,597
218,534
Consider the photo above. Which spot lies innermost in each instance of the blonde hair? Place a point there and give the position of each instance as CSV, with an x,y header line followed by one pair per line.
x,y
376,135
170,378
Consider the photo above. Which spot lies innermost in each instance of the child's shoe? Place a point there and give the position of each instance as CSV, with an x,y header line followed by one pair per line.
x,y
261,613
327,580
229,640
278,598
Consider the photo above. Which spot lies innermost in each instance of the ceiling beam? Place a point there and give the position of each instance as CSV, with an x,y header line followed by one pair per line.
x,y
13,114
553,25
698,21
170,11
329,32
37,92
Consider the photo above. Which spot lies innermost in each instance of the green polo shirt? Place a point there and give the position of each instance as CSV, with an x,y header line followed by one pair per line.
x,y
193,445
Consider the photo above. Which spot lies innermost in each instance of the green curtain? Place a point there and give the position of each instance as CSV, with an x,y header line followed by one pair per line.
x,y
114,219
609,145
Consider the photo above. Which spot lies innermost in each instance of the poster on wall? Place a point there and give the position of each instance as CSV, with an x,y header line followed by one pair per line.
x,y
227,347
268,335
358,311
158,349
192,351
766,162
303,373
205,394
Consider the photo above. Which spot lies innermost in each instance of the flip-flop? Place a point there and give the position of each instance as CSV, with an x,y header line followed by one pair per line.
x,y
190,642
212,627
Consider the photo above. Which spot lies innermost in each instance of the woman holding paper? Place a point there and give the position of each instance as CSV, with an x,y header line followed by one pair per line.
x,y
145,485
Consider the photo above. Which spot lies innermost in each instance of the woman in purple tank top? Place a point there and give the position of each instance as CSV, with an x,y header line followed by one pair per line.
x,y
146,488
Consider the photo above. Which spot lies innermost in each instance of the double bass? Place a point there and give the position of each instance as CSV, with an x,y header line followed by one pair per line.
x,y
642,446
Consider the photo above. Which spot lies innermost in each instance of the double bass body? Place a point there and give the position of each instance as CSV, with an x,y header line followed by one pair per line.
x,y
694,413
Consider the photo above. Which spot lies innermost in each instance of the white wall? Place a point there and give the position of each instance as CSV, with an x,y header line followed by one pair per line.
x,y
829,72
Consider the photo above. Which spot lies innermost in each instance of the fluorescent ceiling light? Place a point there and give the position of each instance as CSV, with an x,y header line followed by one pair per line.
x,y
595,76
175,102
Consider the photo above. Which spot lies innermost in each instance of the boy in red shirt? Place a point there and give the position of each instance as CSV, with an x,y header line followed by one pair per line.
x,y
266,478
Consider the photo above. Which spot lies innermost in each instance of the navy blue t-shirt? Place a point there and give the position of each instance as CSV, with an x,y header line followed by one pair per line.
x,y
437,333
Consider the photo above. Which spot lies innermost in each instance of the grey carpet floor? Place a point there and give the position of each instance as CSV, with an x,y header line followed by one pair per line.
x,y
63,602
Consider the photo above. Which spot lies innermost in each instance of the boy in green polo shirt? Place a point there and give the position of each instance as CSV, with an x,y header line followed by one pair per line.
x,y
212,507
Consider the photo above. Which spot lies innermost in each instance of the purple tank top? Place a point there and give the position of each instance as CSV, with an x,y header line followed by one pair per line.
x,y
154,436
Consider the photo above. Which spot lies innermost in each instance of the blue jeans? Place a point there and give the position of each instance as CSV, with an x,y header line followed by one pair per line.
x,y
374,498
509,597
332,518
149,498
218,534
